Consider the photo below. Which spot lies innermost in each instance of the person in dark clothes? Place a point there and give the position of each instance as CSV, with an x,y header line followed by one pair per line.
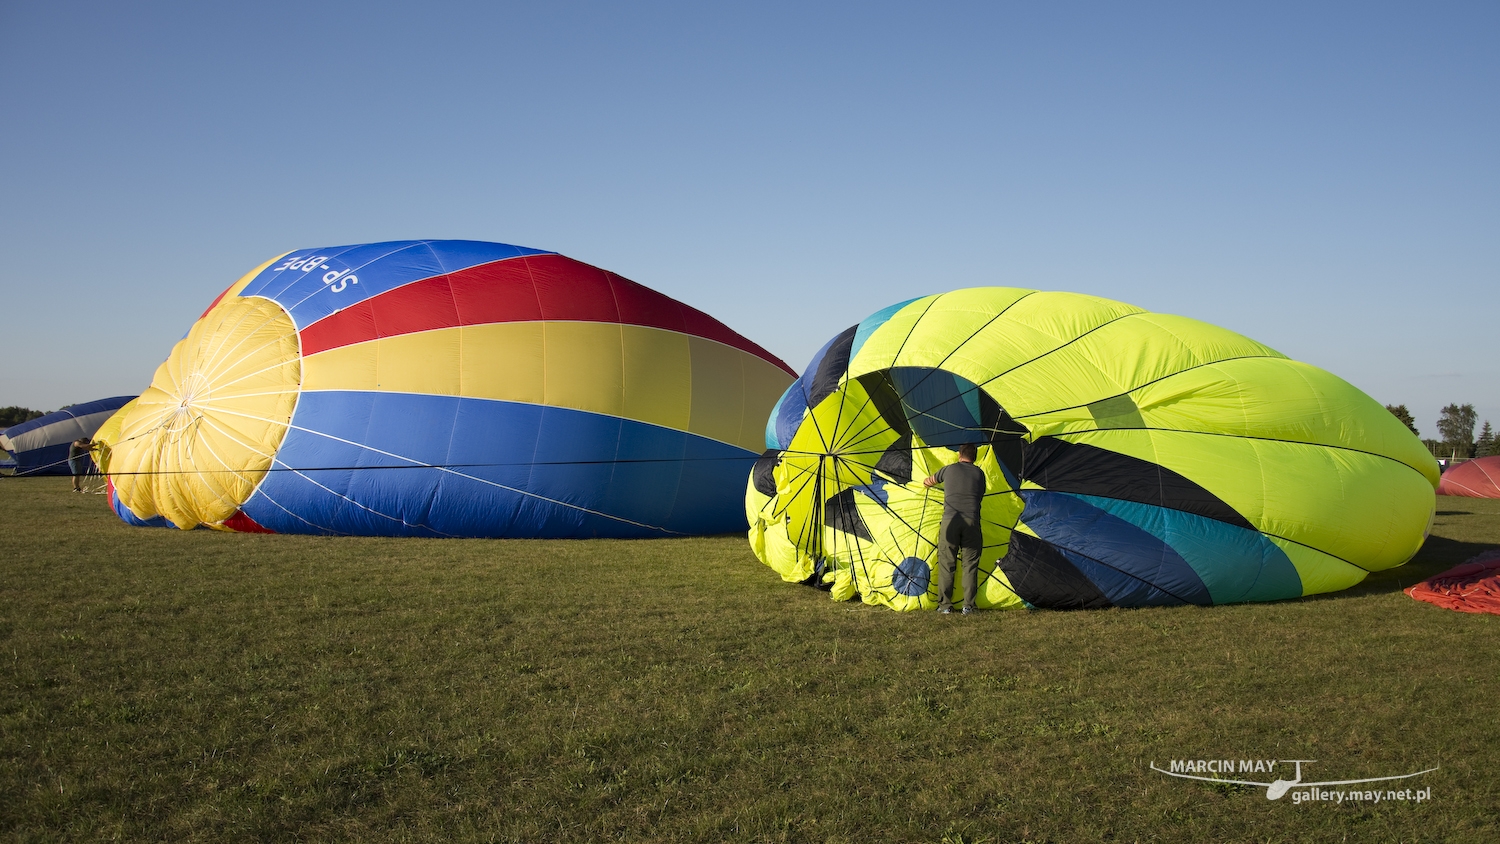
x,y
79,460
963,490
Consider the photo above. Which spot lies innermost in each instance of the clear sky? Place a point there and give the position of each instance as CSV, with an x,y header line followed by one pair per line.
x,y
1322,177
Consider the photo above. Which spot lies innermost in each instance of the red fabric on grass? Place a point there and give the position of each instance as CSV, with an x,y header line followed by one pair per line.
x,y
1473,586
244,524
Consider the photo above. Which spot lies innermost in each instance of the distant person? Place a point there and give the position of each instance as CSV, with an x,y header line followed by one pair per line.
x,y
80,461
963,490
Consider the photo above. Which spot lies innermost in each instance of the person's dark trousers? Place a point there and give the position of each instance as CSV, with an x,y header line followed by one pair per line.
x,y
957,532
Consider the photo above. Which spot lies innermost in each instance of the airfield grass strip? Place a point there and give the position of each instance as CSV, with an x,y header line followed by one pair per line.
x,y
207,686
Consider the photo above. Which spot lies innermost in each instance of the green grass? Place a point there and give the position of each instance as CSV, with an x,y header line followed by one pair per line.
x,y
204,686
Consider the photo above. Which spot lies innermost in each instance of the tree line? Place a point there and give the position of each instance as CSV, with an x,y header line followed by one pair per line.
x,y
1455,430
16,415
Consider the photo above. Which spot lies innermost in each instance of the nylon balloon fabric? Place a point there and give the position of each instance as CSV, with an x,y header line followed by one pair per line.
x,y
1472,587
40,445
1132,459
1478,478
446,388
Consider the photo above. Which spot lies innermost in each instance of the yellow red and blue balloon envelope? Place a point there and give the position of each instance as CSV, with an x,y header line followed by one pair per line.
x,y
445,388
1132,459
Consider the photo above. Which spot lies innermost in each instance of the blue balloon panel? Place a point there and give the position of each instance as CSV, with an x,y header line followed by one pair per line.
x,y
401,464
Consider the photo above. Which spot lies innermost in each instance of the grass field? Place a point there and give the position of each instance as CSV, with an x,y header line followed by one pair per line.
x,y
204,686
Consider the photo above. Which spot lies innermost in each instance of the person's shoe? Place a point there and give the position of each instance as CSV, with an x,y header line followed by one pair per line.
x,y
968,610
945,610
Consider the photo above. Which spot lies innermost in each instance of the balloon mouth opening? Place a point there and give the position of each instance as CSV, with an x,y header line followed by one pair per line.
x,y
849,484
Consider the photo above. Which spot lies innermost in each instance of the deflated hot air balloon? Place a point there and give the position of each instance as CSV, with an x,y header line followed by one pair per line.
x,y
1132,459
41,445
445,388
1478,478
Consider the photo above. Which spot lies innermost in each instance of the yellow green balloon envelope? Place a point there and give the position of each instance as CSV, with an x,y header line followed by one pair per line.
x,y
1133,459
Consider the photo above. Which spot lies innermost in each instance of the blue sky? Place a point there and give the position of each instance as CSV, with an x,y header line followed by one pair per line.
x,y
1324,178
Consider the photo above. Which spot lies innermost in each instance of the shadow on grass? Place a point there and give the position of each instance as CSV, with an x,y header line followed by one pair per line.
x,y
1438,554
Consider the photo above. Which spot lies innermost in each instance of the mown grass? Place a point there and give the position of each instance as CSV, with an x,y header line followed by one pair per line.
x,y
203,686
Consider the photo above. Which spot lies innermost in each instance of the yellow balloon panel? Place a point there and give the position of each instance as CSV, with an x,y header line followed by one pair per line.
x,y
196,443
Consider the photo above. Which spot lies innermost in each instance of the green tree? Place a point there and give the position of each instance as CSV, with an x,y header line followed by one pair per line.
x,y
1400,412
16,415
1486,446
1456,427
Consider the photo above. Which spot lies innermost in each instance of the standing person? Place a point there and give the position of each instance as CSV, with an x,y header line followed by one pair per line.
x,y
79,460
963,490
